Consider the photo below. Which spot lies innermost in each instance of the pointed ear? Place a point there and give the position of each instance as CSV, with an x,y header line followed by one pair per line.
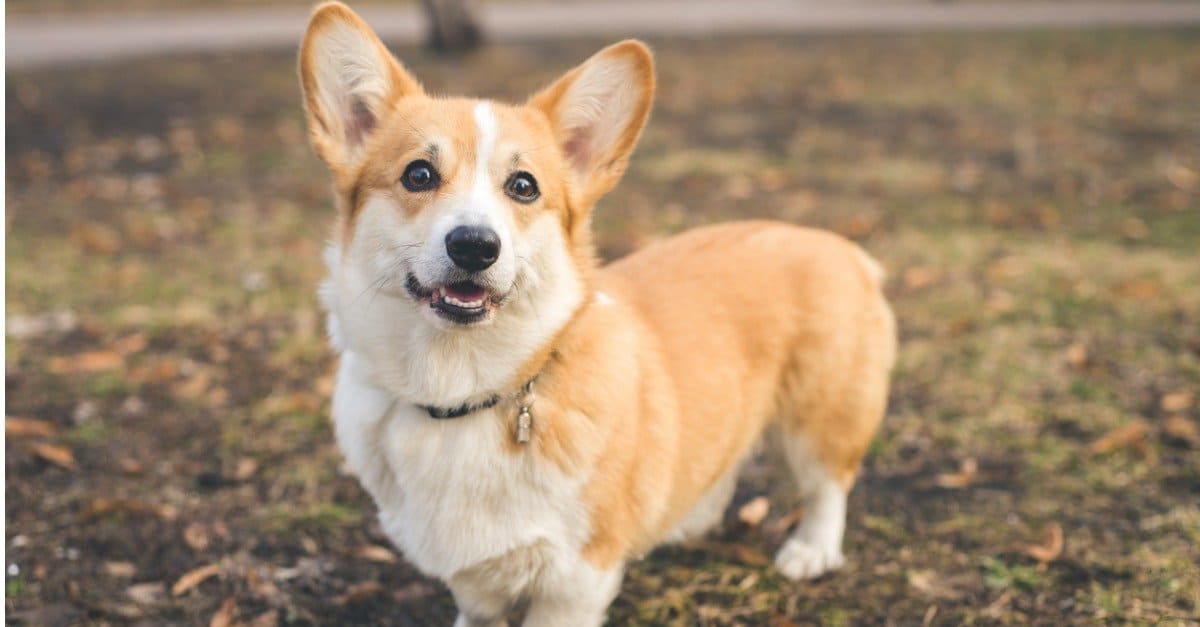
x,y
350,81
597,111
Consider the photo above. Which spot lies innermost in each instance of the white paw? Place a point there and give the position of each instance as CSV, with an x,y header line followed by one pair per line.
x,y
799,560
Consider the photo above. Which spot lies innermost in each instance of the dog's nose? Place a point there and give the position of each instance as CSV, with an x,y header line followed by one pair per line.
x,y
473,248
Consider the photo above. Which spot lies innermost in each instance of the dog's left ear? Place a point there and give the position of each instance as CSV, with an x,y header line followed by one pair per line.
x,y
597,111
350,82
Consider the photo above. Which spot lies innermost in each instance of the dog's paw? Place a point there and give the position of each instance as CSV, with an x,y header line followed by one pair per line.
x,y
799,560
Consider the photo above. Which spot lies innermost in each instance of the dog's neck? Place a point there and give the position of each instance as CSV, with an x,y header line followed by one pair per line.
x,y
418,363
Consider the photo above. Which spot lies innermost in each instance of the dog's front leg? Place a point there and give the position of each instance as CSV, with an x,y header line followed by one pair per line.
x,y
478,607
578,596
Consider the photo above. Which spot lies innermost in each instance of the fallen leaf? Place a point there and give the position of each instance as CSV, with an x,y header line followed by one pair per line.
x,y
16,427
224,615
130,344
968,472
91,361
359,592
780,526
754,511
1182,429
733,551
123,570
412,592
96,238
1176,401
928,582
246,467
58,455
920,276
1051,547
196,536
130,466
147,593
375,553
1077,356
1123,436
193,578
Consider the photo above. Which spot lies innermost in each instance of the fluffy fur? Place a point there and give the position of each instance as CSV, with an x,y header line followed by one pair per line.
x,y
655,375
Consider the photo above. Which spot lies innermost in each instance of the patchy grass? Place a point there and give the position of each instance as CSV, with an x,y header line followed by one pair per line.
x,y
1036,199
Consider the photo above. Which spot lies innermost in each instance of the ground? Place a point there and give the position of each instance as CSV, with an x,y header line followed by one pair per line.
x,y
1035,197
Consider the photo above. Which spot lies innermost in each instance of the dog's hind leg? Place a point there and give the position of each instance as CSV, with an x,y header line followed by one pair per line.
x,y
832,401
815,547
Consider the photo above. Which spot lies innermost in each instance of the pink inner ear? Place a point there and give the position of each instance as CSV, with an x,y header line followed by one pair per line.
x,y
577,149
360,123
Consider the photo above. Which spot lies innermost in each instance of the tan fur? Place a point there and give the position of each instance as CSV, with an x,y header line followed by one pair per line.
x,y
656,391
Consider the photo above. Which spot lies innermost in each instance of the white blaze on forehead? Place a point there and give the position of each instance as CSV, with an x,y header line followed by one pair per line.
x,y
485,122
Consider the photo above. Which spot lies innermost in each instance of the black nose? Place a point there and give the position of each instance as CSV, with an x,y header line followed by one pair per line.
x,y
473,248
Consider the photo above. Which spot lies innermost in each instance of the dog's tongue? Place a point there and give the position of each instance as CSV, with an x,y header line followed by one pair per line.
x,y
465,291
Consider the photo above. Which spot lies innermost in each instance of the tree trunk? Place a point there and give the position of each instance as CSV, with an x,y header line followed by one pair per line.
x,y
453,26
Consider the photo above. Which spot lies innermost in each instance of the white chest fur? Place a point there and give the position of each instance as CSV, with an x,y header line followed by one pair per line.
x,y
451,493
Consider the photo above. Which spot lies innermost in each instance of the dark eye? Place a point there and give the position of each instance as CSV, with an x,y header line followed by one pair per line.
x,y
522,187
419,176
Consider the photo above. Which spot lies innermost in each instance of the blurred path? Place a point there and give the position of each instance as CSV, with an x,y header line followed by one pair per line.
x,y
46,40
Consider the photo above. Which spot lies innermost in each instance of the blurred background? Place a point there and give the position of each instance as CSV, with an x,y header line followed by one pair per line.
x,y
1029,172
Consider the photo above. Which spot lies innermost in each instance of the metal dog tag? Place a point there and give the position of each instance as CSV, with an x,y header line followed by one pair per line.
x,y
524,422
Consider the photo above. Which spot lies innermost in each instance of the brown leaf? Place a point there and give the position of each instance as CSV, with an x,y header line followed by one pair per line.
x,y
360,592
920,276
1176,401
1077,356
195,386
196,536
1051,547
375,553
780,526
193,578
968,472
16,427
130,344
246,467
91,361
412,592
733,551
96,238
147,593
928,582
1123,436
224,614
58,455
130,466
754,511
1182,429
122,570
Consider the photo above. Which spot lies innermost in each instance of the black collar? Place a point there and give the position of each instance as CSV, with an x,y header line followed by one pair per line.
x,y
446,413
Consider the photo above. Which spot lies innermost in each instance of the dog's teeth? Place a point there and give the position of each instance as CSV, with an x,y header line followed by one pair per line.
x,y
459,303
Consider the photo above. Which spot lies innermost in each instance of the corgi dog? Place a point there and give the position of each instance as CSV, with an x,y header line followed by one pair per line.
x,y
528,421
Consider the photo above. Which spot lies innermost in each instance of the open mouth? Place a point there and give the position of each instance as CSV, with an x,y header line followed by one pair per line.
x,y
461,302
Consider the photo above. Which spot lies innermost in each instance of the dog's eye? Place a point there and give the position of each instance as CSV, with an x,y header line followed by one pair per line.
x,y
522,187
419,176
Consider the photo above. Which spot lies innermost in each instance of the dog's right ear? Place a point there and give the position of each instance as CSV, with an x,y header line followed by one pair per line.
x,y
350,82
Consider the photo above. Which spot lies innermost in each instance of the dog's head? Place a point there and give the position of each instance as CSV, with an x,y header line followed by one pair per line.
x,y
462,207
463,242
